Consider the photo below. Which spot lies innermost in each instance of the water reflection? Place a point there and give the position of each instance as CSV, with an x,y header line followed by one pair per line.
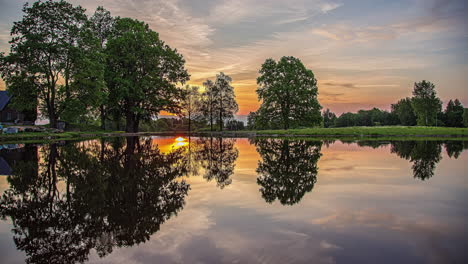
x,y
68,200
288,168
217,156
92,196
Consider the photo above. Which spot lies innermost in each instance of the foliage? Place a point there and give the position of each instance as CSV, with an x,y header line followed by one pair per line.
x,y
288,168
50,47
142,72
425,103
329,118
404,110
251,119
288,91
465,117
234,125
116,194
190,104
454,114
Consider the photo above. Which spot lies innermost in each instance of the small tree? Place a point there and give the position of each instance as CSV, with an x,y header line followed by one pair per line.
x,y
288,91
251,120
225,104
207,105
465,117
328,118
404,110
425,103
190,104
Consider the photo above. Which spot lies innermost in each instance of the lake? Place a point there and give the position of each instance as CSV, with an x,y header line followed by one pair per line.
x,y
234,200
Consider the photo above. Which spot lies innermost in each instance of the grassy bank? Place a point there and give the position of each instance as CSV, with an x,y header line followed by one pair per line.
x,y
397,131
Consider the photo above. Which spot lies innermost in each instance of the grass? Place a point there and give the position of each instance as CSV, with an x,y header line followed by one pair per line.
x,y
372,131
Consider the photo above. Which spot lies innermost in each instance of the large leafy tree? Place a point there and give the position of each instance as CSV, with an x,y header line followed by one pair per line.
x,y
50,57
425,103
288,91
404,110
142,73
102,24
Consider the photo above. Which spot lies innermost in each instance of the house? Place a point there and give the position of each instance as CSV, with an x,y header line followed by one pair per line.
x,y
10,115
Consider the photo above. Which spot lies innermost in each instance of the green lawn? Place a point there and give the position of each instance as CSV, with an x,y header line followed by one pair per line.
x,y
371,131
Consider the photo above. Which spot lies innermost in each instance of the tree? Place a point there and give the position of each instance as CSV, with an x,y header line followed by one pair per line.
x,y
425,103
102,24
288,91
454,114
404,110
235,125
251,120
207,105
142,73
465,117
190,103
328,118
225,105
46,53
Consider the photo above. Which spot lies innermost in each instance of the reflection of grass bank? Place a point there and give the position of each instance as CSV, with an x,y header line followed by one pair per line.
x,y
390,131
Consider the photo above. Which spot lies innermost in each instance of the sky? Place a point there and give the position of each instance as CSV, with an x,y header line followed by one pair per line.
x,y
364,53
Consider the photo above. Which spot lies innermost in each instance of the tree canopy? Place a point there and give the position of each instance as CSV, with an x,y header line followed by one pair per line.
x,y
142,73
288,92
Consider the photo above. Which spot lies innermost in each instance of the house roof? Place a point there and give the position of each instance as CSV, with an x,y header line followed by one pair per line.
x,y
4,99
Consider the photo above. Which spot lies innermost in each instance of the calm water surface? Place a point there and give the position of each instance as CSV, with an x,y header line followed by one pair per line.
x,y
213,200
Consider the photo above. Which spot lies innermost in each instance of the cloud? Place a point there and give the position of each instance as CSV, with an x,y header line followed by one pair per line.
x,y
327,7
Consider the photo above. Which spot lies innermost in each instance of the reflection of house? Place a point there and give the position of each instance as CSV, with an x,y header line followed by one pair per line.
x,y
10,115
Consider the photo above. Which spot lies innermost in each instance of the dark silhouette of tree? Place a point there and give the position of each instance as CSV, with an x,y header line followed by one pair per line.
x,y
454,148
217,156
404,110
113,197
426,104
423,154
288,169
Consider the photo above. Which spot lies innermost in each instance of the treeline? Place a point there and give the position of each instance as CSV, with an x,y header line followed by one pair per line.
x,y
423,109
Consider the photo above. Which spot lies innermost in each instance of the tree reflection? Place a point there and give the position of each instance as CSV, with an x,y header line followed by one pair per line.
x,y
424,155
93,195
217,156
288,169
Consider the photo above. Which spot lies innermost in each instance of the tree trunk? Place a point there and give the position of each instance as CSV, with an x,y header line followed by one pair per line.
x,y
130,123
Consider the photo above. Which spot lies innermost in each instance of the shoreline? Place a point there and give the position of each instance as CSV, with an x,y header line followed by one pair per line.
x,y
356,133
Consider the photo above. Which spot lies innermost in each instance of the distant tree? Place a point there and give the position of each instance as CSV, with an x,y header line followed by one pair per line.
x,y
404,110
207,105
49,48
465,117
102,24
251,120
235,125
425,103
142,73
288,91
225,105
346,120
328,118
190,104
454,114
